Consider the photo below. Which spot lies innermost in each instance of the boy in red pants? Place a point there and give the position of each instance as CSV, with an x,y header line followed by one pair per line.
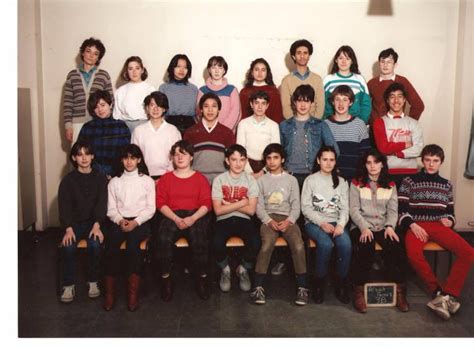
x,y
426,208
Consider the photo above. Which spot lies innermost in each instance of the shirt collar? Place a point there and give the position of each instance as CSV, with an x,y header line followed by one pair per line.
x,y
391,78
81,68
402,115
207,128
301,77
262,123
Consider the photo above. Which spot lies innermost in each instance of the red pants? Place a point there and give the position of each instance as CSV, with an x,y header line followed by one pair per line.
x,y
449,240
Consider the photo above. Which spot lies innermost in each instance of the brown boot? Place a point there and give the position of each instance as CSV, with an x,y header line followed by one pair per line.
x,y
402,303
133,288
359,300
109,284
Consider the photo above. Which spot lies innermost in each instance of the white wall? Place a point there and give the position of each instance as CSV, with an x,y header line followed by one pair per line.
x,y
425,34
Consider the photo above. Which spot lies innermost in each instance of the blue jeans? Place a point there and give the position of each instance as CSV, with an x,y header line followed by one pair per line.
x,y
81,230
324,245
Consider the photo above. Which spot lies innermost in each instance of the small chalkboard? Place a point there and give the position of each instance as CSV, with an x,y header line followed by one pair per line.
x,y
380,294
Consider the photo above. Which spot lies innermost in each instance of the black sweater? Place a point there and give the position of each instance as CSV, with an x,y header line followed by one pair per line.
x,y
82,198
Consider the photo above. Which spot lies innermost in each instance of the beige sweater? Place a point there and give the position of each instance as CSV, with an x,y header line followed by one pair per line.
x,y
289,84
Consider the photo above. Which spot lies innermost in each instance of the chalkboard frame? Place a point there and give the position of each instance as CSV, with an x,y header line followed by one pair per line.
x,y
394,297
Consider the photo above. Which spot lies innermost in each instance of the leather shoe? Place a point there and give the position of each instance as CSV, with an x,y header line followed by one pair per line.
x,y
319,289
109,299
202,288
341,290
359,300
402,303
166,289
132,291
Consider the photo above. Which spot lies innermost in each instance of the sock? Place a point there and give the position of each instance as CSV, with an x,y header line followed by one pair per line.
x,y
301,280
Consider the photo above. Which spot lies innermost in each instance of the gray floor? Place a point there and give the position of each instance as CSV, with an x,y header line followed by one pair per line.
x,y
40,314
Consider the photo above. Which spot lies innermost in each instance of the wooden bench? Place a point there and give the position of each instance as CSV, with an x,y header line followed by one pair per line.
x,y
233,242
143,245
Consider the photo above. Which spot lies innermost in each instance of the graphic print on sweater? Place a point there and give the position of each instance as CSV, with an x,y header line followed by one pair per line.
x,y
399,135
234,194
320,204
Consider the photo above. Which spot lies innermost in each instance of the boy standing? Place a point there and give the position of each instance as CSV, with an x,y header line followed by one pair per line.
x,y
300,52
278,208
426,211
302,135
234,199
209,138
387,62
256,132
398,136
350,132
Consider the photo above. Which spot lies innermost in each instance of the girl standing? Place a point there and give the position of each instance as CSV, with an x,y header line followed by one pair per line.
x,y
325,206
345,71
259,78
129,97
181,93
131,204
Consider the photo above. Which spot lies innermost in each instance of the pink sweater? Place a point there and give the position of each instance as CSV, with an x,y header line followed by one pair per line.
x,y
229,115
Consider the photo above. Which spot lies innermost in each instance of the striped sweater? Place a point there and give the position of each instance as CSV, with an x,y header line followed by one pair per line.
x,y
425,197
362,105
209,148
352,138
76,94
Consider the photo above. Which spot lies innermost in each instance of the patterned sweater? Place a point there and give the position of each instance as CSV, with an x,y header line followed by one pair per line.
x,y
371,206
76,94
362,105
107,136
426,198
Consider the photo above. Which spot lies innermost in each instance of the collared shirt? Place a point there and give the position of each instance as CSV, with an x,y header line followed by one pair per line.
x,y
87,75
392,116
301,77
209,130
385,79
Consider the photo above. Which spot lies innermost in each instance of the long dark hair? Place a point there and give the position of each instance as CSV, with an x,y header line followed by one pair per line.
x,y
348,51
249,78
132,150
362,175
317,167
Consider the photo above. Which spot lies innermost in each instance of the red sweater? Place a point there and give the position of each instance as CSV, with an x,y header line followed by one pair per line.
x,y
376,90
274,111
183,194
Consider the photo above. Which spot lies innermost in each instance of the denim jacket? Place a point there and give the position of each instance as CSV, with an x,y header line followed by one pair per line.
x,y
317,133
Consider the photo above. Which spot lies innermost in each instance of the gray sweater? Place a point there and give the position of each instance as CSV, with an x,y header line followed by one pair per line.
x,y
278,194
320,202
373,207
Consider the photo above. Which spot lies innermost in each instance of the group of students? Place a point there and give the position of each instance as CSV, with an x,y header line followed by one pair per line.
x,y
176,168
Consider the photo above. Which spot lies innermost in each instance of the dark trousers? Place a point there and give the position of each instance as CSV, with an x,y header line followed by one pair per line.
x,y
81,230
114,238
239,227
392,255
196,235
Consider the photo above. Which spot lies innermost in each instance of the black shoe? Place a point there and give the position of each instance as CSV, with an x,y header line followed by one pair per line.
x,y
166,289
319,289
201,288
341,290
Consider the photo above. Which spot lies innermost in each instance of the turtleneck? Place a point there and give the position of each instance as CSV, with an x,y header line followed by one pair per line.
x,y
133,173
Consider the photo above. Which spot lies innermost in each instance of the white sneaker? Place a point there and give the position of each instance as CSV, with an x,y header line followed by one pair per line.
x,y
453,304
68,294
439,305
93,290
224,282
279,268
244,278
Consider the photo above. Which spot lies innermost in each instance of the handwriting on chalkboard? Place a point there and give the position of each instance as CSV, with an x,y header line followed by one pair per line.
x,y
380,294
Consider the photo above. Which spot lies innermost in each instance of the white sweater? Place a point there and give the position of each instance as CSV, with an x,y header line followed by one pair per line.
x,y
129,101
131,195
255,136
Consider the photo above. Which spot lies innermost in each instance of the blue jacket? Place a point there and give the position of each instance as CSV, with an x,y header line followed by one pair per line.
x,y
317,133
